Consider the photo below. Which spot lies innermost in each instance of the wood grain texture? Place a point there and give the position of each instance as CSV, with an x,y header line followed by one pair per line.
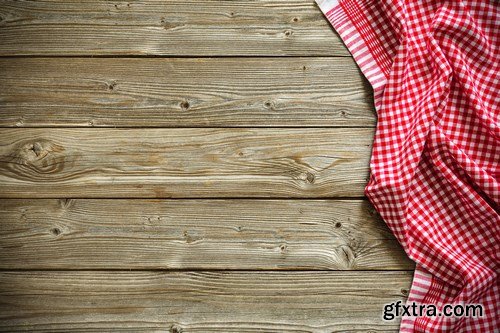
x,y
199,301
81,262
174,92
189,162
195,234
157,27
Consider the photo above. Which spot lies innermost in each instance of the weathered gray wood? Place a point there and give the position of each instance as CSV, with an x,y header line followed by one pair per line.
x,y
203,234
195,234
158,27
175,92
186,162
199,301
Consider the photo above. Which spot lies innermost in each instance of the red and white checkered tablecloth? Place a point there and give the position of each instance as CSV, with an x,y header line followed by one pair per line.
x,y
435,70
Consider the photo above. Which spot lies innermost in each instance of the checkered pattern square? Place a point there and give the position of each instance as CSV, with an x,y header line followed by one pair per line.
x,y
435,70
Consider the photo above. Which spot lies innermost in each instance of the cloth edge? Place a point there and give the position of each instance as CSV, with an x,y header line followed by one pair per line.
x,y
338,17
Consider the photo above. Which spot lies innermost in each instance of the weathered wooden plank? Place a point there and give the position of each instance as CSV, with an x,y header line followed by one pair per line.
x,y
199,301
195,234
158,27
187,162
171,92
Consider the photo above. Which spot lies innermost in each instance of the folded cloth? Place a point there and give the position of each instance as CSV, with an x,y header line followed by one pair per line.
x,y
434,67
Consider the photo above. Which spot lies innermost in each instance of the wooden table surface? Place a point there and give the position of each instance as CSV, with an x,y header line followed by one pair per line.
x,y
187,166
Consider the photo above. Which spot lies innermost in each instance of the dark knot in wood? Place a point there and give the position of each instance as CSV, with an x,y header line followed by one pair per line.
x,y
176,329
36,159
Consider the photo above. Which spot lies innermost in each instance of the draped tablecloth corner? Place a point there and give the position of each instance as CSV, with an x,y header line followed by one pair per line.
x,y
434,67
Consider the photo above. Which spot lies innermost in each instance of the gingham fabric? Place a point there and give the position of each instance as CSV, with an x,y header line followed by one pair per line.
x,y
434,67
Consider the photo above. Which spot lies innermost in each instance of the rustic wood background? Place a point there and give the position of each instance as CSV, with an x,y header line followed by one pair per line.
x,y
187,166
